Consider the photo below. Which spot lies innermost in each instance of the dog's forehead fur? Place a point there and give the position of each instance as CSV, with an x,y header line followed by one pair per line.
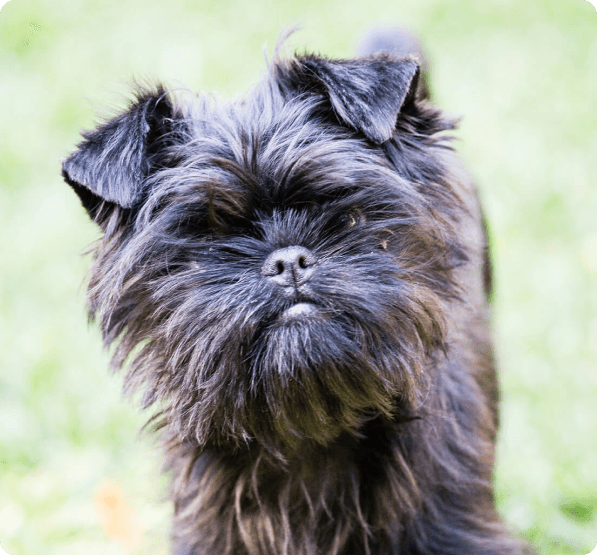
x,y
273,149
274,141
281,151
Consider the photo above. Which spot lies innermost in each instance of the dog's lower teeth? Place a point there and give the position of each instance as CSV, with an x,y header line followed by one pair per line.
x,y
299,309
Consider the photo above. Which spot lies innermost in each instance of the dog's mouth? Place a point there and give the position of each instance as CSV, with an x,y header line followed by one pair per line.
x,y
299,310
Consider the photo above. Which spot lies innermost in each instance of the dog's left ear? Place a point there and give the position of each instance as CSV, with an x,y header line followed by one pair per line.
x,y
366,94
110,165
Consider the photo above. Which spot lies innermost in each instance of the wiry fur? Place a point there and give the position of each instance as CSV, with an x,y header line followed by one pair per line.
x,y
365,427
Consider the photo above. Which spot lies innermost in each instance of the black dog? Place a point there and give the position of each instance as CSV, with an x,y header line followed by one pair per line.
x,y
296,280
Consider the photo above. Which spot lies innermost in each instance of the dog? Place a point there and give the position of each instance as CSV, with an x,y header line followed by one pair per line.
x,y
298,282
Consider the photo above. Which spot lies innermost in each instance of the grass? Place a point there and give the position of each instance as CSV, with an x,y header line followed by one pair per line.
x,y
523,74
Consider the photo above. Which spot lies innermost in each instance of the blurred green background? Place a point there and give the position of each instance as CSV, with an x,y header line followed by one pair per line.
x,y
523,75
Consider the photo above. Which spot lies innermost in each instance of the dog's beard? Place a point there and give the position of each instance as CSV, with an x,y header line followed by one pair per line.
x,y
242,363
317,377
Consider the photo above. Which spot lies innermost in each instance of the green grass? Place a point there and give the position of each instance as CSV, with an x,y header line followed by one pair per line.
x,y
523,75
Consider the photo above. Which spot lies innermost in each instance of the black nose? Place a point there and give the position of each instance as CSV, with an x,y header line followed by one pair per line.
x,y
289,266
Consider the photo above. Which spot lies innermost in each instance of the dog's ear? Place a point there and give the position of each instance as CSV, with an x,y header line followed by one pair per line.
x,y
366,94
111,164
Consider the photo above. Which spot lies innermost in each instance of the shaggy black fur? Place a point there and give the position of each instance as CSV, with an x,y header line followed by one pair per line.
x,y
296,280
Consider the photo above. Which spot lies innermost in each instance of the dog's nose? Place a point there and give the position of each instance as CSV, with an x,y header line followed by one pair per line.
x,y
289,266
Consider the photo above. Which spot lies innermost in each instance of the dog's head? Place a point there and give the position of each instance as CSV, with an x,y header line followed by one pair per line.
x,y
274,269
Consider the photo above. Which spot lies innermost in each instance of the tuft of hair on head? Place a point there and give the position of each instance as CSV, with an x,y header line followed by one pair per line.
x,y
399,42
281,46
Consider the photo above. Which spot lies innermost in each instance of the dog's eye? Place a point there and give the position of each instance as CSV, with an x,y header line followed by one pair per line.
x,y
353,219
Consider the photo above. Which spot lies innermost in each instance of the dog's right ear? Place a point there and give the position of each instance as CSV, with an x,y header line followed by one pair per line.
x,y
110,166
366,94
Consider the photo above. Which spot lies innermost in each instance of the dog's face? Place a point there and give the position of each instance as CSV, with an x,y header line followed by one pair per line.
x,y
274,269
